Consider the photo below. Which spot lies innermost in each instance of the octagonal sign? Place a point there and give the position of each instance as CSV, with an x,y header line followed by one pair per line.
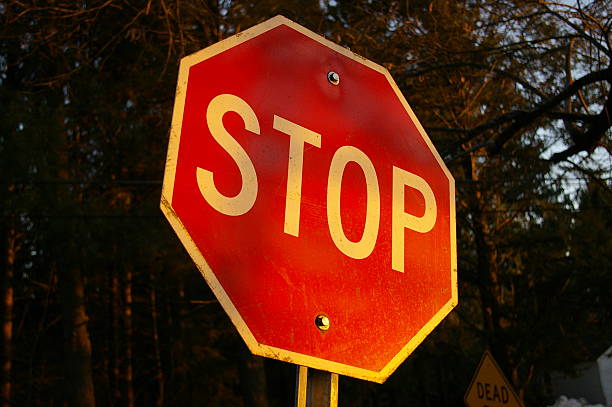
x,y
311,200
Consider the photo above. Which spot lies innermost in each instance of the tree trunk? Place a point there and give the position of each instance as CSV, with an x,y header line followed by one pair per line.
x,y
487,270
179,353
9,238
77,346
253,380
115,311
159,375
485,252
129,333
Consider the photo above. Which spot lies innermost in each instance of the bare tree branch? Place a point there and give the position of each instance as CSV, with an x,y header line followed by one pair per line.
x,y
527,119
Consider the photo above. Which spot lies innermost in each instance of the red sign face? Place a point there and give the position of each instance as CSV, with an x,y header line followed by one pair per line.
x,y
311,200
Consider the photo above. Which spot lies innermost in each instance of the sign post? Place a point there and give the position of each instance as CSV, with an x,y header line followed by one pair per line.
x,y
311,200
315,388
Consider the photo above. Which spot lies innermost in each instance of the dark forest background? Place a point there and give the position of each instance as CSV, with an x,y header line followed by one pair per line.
x,y
102,306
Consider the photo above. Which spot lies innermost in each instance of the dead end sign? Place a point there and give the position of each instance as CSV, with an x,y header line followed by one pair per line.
x,y
489,386
311,200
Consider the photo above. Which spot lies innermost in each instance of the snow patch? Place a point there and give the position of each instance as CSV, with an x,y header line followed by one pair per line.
x,y
564,401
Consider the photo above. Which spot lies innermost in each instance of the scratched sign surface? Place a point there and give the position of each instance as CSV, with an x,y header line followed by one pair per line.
x,y
311,199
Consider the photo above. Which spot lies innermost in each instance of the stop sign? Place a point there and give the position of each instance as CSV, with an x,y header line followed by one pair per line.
x,y
311,199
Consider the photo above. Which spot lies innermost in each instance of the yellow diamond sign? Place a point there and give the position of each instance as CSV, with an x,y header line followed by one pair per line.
x,y
489,387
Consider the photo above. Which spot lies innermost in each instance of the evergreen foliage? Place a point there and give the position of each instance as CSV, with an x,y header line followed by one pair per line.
x,y
515,94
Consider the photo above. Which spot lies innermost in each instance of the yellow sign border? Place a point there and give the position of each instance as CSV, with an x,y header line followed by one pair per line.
x,y
484,357
166,207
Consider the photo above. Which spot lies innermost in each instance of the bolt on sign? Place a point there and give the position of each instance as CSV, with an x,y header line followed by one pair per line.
x,y
311,199
489,386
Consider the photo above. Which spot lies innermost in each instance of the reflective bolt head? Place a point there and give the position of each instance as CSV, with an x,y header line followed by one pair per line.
x,y
322,322
333,78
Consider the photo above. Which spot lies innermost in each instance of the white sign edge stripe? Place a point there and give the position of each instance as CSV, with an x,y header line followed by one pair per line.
x,y
453,242
373,65
419,127
168,187
181,90
288,356
243,330
175,133
447,308
206,272
230,42
451,180
270,24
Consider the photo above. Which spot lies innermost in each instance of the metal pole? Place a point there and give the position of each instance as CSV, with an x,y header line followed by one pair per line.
x,y
316,388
